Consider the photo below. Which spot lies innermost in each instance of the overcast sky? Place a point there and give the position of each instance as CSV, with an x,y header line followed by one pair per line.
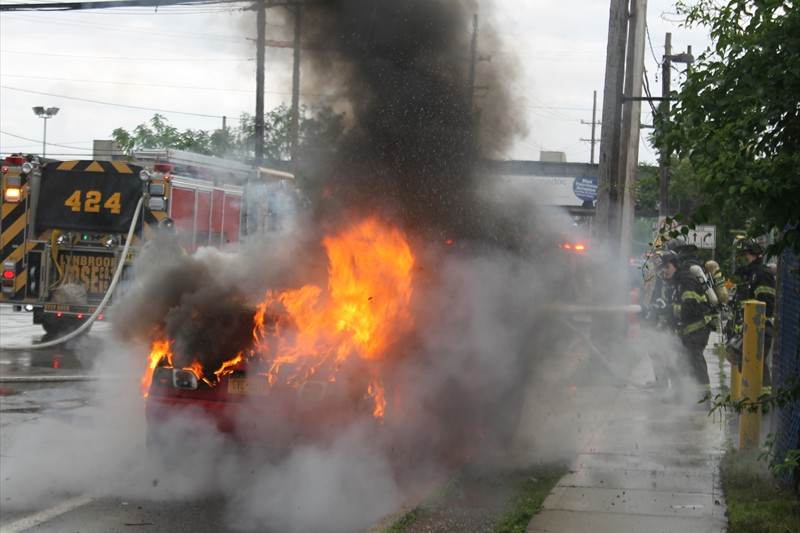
x,y
113,68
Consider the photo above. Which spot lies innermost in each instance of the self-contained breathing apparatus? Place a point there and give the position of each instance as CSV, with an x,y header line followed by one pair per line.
x,y
708,275
712,284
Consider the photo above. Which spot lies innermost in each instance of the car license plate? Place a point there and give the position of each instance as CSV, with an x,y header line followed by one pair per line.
x,y
258,387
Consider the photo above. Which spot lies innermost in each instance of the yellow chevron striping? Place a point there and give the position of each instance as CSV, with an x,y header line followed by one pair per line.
x,y
17,254
13,230
67,165
95,166
122,168
22,280
8,207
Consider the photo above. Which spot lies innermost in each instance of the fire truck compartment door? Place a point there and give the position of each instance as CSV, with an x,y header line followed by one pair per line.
x,y
97,196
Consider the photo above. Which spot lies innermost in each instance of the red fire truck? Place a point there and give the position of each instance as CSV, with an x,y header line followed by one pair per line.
x,y
65,224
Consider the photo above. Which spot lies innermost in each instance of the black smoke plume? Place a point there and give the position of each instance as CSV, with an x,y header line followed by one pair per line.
x,y
415,142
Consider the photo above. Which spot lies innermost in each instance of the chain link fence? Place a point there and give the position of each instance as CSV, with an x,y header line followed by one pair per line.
x,y
786,364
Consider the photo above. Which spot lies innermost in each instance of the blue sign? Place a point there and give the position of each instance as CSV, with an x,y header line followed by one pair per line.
x,y
585,189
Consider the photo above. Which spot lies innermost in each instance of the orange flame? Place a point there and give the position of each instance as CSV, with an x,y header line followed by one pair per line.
x,y
162,349
363,312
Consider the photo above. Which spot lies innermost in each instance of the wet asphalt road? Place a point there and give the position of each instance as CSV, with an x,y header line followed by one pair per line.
x,y
73,455
71,429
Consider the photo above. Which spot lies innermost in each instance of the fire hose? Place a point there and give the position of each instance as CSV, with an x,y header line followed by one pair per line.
x,y
102,305
570,308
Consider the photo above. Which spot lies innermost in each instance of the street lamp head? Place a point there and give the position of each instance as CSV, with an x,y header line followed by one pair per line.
x,y
41,112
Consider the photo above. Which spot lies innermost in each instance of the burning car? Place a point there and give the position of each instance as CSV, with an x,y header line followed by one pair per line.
x,y
299,363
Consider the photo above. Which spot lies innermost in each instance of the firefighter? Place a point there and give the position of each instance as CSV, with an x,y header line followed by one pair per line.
x,y
756,282
685,305
689,261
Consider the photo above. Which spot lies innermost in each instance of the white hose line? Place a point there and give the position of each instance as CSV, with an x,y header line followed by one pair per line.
x,y
593,349
103,303
573,308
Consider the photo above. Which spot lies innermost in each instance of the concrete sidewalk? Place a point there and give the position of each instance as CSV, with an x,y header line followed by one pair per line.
x,y
645,465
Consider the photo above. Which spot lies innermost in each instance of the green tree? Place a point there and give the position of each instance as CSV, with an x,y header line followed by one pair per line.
x,y
320,129
737,120
737,116
687,196
159,133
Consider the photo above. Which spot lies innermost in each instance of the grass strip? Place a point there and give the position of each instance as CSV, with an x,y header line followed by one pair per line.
x,y
528,489
756,502
532,489
437,497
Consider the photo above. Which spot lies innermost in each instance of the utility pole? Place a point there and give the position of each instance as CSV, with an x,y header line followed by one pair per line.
x,y
261,30
663,196
631,120
594,123
296,86
666,150
473,58
606,224
618,157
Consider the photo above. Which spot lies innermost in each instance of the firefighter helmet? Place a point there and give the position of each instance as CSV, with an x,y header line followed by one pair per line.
x,y
666,257
751,246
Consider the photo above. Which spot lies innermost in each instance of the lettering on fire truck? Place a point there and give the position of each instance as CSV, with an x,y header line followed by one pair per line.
x,y
91,202
94,271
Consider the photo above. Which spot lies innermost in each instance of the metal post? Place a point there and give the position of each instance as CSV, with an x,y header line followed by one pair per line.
x,y
45,113
752,372
736,383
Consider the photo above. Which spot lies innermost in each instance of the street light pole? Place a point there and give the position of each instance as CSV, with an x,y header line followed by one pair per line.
x,y
666,151
45,113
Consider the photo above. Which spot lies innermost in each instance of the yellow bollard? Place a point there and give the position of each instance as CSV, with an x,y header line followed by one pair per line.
x,y
752,372
736,383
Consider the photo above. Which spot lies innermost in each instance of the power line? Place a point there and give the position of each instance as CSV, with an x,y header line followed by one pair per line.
x,y
38,141
130,83
72,6
112,58
116,105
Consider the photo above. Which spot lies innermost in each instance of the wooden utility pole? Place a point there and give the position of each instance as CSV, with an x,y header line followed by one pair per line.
x,y
261,30
619,144
606,224
618,160
473,58
594,124
664,156
631,120
296,87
